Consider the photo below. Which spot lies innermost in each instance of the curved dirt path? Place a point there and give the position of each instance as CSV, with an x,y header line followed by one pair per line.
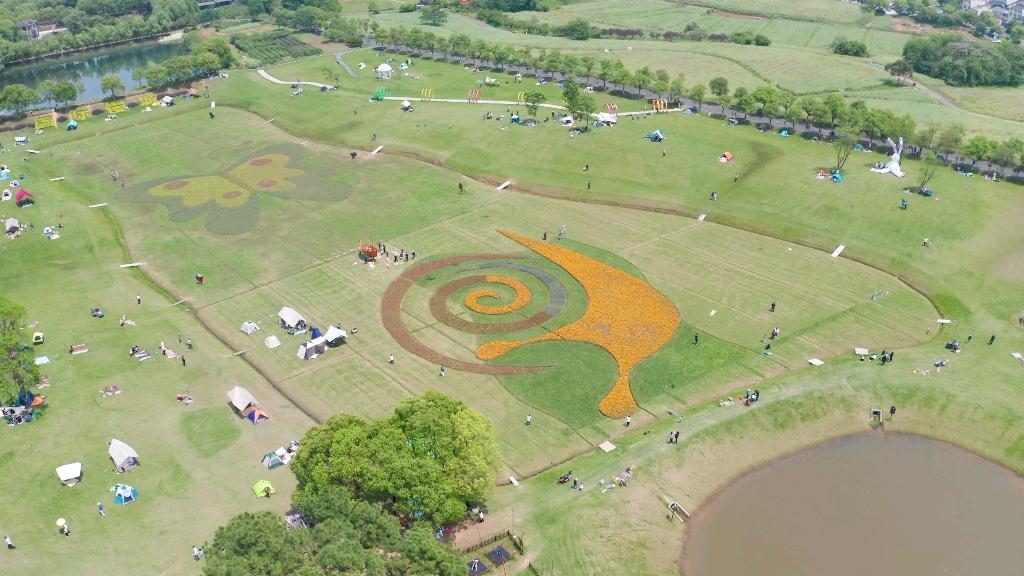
x,y
943,100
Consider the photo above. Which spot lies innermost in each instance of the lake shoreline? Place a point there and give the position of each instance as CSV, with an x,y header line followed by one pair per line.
x,y
15,64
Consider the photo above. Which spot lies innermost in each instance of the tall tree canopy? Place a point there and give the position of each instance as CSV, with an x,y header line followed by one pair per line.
x,y
428,459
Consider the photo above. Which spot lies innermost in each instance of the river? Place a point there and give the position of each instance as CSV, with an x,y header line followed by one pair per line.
x,y
865,504
90,67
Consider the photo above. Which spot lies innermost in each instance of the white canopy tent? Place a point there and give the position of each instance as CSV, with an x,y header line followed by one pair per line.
x,y
241,398
249,327
607,118
272,341
290,317
335,333
123,455
384,72
11,224
70,474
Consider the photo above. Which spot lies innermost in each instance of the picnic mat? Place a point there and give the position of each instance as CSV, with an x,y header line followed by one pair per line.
x,y
143,355
110,391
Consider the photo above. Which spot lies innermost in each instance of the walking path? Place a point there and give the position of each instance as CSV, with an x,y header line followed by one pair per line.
x,y
276,81
942,99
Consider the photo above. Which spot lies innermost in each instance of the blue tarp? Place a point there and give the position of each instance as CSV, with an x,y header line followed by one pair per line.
x,y
316,334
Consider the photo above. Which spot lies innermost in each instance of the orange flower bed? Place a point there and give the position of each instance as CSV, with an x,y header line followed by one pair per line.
x,y
522,297
626,316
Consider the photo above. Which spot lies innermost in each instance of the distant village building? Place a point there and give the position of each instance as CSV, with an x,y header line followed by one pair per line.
x,y
1003,10
37,29
214,4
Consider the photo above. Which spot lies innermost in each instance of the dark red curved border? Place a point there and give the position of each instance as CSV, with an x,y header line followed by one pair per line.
x,y
391,315
439,308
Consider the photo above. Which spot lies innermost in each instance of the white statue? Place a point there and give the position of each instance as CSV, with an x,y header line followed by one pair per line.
x,y
893,166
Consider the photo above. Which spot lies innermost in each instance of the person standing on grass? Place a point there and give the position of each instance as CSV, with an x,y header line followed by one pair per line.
x,y
10,543
99,505
442,371
5,248
628,420
182,361
773,306
677,435
545,238
696,339
736,178
138,298
561,234
670,437
391,359
529,419
65,530
992,339
189,342
588,184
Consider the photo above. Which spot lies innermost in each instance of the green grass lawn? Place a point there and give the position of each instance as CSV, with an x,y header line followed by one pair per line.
x,y
765,239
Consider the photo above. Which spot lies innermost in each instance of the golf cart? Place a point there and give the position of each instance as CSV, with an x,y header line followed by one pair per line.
x,y
98,313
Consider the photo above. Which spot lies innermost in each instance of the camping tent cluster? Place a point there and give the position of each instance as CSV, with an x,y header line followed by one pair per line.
x,y
281,456
246,404
318,344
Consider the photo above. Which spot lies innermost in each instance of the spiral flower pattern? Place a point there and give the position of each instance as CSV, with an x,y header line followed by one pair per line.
x,y
625,315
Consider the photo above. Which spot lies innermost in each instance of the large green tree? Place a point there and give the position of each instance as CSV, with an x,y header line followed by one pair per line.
x,y
112,83
17,366
428,459
18,97
434,15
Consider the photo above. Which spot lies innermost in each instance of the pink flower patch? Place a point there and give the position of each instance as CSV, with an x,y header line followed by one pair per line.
x,y
230,195
267,183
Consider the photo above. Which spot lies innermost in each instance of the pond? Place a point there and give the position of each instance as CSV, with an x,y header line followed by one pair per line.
x,y
864,504
90,67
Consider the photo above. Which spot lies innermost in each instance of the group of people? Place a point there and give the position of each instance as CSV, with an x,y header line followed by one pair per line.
x,y
673,437
17,415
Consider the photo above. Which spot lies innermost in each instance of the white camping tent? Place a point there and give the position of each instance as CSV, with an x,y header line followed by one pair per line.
x,y
272,341
11,224
290,317
241,398
70,474
313,348
335,333
124,456
249,327
167,100
607,118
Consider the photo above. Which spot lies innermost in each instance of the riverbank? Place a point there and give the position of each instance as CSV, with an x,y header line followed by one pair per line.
x,y
14,64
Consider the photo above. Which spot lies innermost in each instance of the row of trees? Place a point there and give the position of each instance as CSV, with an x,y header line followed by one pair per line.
x,y
829,112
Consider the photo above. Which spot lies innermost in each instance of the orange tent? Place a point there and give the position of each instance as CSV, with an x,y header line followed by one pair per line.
x,y
727,156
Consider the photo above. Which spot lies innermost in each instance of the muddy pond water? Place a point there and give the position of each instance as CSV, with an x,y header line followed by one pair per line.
x,y
866,504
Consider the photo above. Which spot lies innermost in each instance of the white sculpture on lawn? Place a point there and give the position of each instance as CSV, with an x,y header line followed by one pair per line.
x,y
893,166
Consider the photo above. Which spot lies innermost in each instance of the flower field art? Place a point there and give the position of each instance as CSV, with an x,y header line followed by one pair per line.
x,y
230,198
624,315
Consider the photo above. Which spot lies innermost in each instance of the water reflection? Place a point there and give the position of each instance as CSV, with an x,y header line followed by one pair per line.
x,y
88,68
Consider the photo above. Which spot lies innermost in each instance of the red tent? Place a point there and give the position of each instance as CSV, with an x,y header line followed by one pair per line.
x,y
22,194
